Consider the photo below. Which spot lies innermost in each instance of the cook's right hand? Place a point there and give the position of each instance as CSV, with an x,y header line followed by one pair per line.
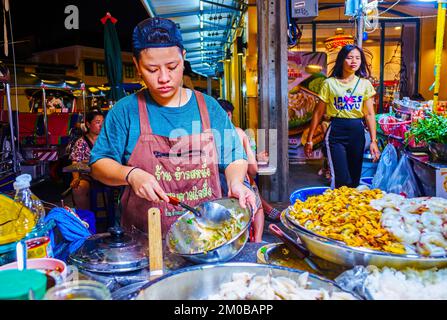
x,y
308,148
146,186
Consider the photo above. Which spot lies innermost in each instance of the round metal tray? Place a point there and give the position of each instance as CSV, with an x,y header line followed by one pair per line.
x,y
339,253
278,254
199,282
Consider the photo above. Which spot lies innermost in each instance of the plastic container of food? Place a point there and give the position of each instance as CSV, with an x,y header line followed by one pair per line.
x,y
79,290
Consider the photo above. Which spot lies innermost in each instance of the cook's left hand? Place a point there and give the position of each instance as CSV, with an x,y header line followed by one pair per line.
x,y
244,194
374,149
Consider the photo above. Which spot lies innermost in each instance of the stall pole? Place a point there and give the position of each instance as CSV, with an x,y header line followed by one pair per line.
x,y
83,101
11,128
442,6
360,27
45,116
382,67
273,94
209,85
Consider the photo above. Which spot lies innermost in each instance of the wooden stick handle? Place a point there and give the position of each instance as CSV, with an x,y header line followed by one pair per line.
x,y
155,243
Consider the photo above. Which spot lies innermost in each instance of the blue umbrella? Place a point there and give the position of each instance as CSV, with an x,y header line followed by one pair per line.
x,y
112,54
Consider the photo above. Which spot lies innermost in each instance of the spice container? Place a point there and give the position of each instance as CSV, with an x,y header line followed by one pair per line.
x,y
79,290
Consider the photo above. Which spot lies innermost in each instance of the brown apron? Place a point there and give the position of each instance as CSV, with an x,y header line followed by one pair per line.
x,y
185,167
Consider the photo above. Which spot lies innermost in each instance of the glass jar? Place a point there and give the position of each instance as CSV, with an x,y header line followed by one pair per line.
x,y
79,290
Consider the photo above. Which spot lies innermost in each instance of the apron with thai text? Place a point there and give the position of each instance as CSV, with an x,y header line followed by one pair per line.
x,y
185,167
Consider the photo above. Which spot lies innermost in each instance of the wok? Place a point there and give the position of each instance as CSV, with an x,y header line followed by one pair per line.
x,y
183,238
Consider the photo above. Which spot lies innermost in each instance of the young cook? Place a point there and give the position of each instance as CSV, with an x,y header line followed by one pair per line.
x,y
167,139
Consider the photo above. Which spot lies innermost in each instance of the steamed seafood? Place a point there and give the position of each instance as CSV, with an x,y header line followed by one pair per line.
x,y
247,286
408,284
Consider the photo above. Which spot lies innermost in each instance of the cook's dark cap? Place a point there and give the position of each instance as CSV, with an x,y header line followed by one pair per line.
x,y
156,33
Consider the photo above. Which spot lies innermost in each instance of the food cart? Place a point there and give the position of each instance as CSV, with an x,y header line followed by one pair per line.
x,y
43,131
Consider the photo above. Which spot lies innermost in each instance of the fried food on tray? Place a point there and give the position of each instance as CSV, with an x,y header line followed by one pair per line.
x,y
345,214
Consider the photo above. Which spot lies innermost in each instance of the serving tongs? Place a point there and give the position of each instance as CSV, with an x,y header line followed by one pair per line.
x,y
297,248
209,214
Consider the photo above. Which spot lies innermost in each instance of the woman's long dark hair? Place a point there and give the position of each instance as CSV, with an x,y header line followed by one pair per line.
x,y
362,72
91,115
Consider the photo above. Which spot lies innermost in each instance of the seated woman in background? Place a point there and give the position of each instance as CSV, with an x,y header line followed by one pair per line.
x,y
258,223
81,153
265,209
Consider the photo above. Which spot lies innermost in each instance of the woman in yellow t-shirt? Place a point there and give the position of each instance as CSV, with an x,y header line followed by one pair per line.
x,y
347,99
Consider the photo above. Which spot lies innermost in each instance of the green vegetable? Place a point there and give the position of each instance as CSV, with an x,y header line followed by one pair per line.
x,y
431,129
263,250
189,221
314,82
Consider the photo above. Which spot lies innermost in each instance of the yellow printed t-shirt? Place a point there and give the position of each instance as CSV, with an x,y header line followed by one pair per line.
x,y
341,102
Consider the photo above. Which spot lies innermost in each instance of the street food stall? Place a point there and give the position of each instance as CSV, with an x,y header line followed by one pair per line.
x,y
363,243
43,131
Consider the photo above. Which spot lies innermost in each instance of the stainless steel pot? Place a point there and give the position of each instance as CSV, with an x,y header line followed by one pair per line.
x,y
199,282
183,237
339,253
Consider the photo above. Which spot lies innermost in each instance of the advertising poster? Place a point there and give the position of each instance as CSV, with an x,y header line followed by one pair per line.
x,y
306,72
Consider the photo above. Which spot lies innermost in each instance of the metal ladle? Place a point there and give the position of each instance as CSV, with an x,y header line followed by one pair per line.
x,y
297,248
208,214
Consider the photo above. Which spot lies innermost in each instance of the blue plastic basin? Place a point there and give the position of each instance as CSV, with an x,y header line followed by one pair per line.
x,y
304,193
367,181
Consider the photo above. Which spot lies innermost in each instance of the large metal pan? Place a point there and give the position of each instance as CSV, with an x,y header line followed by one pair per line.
x,y
199,282
183,237
339,253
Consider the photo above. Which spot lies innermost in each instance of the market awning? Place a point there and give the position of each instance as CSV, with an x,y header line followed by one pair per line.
x,y
101,91
207,28
36,81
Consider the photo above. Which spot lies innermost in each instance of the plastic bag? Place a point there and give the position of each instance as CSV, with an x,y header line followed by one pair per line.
x,y
354,281
403,181
385,168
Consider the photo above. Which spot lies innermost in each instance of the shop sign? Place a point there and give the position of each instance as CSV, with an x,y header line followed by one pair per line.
x,y
302,100
338,41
